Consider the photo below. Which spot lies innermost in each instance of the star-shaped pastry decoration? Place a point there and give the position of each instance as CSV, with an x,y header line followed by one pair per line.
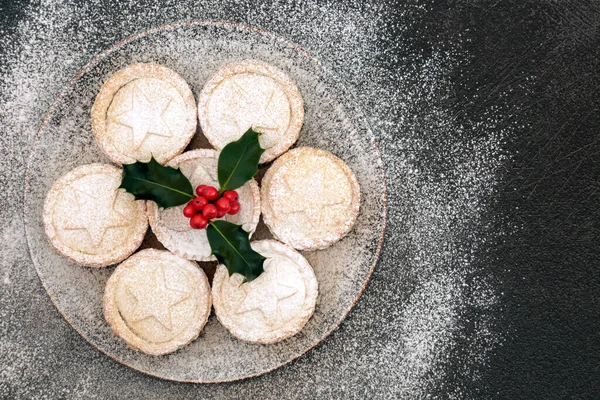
x,y
156,299
202,175
144,118
96,214
312,207
265,295
245,110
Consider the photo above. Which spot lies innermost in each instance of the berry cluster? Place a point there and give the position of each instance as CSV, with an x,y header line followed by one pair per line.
x,y
209,205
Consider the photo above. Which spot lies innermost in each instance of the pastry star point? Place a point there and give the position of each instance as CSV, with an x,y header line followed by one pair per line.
x,y
144,118
202,174
96,214
312,207
266,298
157,300
237,114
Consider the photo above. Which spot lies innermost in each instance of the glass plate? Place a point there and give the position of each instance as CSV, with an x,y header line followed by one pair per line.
x,y
332,122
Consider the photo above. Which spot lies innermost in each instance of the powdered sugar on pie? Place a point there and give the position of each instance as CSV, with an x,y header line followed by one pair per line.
x,y
274,306
310,198
144,110
173,229
89,220
251,94
157,302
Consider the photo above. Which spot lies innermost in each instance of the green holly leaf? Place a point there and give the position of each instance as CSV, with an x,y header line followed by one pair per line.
x,y
231,245
166,186
238,161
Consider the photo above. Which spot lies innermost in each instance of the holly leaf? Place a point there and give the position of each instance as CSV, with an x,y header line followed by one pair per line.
x,y
238,161
166,186
231,245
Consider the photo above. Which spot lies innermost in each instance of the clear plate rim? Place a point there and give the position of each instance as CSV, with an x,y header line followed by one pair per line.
x,y
242,27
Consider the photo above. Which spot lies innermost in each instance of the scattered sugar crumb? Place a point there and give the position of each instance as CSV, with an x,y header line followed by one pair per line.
x,y
441,177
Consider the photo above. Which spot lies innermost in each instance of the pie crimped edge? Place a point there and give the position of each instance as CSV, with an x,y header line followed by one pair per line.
x,y
119,326
311,286
89,260
308,243
163,233
288,86
121,78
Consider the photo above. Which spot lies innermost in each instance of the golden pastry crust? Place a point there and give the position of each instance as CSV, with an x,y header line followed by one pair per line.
x,y
144,110
274,306
157,302
251,94
310,198
172,228
89,220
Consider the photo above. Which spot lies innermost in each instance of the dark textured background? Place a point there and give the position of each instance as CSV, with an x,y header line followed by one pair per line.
x,y
539,62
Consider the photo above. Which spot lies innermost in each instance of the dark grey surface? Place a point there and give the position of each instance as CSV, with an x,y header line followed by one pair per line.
x,y
487,108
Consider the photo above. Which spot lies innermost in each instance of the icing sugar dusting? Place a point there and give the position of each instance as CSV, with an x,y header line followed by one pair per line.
x,y
317,220
440,176
448,174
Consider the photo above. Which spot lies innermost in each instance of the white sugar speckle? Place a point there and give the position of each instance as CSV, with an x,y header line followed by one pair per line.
x,y
442,175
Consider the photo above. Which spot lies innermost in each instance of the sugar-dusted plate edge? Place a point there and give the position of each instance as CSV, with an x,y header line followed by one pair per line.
x,y
132,38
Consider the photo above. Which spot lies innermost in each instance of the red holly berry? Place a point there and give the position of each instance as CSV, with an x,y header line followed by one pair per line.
x,y
198,221
235,208
210,193
231,195
199,203
189,211
223,204
209,211
221,214
199,189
